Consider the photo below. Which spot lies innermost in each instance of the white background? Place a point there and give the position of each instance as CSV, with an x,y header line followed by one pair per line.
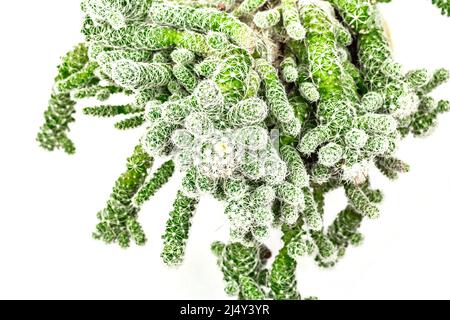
x,y
48,201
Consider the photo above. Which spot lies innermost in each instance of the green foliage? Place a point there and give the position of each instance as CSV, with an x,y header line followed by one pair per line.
x,y
59,115
241,266
130,123
100,92
156,182
118,221
248,7
391,167
265,105
444,5
107,111
344,229
282,279
177,229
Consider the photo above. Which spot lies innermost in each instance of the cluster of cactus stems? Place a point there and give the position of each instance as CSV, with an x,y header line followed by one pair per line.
x,y
266,105
444,5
